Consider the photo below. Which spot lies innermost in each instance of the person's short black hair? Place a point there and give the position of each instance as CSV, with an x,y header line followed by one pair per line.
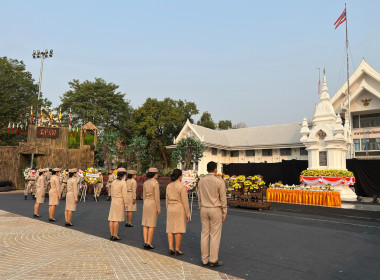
x,y
150,174
211,166
41,173
120,175
129,176
54,172
50,169
175,174
71,174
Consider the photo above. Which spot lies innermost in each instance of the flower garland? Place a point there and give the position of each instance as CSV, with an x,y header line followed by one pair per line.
x,y
328,172
190,180
91,176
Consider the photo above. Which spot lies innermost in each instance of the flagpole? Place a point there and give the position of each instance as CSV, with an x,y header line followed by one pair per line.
x,y
352,152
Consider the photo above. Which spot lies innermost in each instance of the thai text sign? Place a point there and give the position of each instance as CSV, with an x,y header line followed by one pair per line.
x,y
93,175
47,132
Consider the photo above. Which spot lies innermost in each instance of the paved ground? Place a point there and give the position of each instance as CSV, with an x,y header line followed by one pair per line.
x,y
289,242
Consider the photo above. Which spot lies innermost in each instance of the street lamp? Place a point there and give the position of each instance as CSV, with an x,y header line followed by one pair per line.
x,y
42,55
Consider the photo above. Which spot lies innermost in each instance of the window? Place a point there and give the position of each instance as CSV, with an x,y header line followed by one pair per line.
x,y
214,151
370,144
303,152
224,153
234,153
267,152
357,144
368,120
250,153
355,121
286,152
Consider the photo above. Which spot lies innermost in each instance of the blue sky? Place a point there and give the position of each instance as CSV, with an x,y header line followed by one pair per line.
x,y
247,61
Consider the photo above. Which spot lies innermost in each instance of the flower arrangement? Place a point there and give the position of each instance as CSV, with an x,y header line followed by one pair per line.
x,y
91,176
26,172
240,178
190,180
236,186
328,173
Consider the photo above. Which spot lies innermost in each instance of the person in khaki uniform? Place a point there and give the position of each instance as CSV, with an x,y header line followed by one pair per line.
x,y
98,187
31,186
212,202
118,203
40,192
131,197
111,178
71,196
151,208
54,194
178,212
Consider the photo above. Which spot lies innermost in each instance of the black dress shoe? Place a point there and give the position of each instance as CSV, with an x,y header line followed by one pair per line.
x,y
52,220
177,253
145,245
171,252
129,225
111,238
216,264
115,238
204,264
69,225
36,216
149,247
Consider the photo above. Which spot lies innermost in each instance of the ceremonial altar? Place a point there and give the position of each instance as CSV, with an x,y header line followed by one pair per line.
x,y
304,196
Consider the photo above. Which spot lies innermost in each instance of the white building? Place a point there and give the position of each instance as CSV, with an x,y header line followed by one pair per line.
x,y
282,142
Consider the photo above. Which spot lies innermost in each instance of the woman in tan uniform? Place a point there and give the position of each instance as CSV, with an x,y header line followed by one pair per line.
x,y
118,203
151,208
178,212
40,192
71,196
54,193
131,197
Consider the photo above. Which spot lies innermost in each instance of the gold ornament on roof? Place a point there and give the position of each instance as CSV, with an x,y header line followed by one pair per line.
x,y
366,101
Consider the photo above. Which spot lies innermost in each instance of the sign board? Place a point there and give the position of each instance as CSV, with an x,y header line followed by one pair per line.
x,y
94,175
47,132
323,158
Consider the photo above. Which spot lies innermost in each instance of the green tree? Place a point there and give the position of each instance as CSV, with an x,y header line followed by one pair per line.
x,y
226,124
160,122
138,149
107,148
18,92
97,102
188,150
206,121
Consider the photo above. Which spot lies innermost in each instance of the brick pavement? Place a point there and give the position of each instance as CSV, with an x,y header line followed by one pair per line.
x,y
33,249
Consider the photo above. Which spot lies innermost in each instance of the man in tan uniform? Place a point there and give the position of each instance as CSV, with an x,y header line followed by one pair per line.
x,y
65,177
111,178
98,187
212,202
31,186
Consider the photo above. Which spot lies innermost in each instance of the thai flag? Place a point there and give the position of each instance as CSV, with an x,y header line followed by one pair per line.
x,y
341,19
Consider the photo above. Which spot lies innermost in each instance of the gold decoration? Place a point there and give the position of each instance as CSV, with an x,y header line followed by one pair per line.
x,y
366,101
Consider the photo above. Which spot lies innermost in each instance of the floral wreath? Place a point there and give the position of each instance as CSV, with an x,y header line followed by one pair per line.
x,y
189,179
91,176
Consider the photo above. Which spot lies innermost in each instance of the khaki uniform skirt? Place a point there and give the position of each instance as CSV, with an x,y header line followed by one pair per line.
x,y
54,190
131,195
118,202
72,194
177,205
151,196
40,192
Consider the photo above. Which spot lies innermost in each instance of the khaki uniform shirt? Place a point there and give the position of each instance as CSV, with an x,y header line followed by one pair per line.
x,y
212,193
